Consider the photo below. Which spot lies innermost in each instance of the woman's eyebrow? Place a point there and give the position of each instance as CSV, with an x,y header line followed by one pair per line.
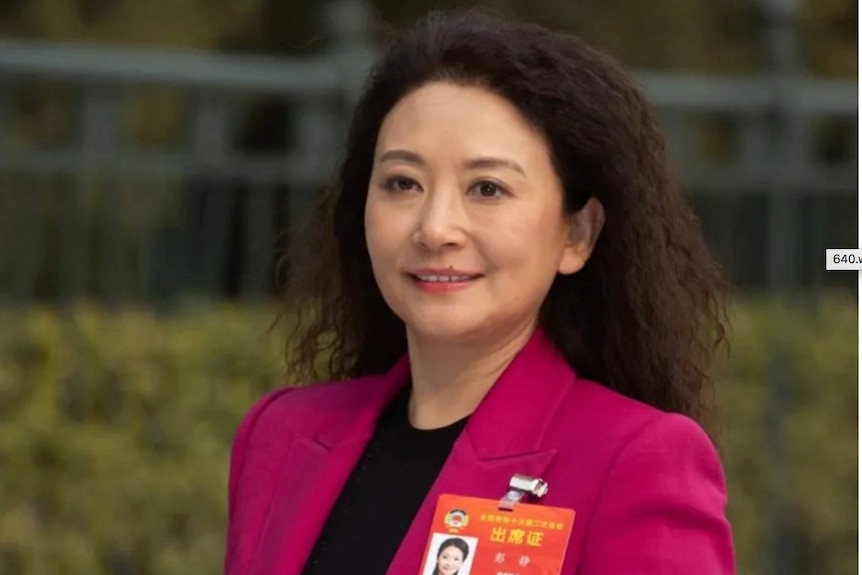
x,y
493,162
403,156
471,164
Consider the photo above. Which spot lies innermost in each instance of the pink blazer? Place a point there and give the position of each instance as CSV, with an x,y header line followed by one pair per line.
x,y
647,487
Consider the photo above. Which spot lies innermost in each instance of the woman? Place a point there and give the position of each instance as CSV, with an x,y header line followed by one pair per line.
x,y
507,280
451,556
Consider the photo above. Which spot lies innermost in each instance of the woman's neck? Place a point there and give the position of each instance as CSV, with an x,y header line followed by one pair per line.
x,y
450,379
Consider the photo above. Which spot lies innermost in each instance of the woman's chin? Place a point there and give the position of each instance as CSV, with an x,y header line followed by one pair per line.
x,y
442,330
460,334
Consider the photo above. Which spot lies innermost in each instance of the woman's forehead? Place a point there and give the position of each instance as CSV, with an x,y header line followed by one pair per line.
x,y
448,119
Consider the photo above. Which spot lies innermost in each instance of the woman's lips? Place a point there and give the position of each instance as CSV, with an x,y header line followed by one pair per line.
x,y
443,283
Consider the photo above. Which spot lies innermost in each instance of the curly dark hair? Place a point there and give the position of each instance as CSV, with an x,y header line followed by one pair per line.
x,y
645,315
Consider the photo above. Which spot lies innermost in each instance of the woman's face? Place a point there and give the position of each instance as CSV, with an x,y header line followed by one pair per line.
x,y
449,561
464,217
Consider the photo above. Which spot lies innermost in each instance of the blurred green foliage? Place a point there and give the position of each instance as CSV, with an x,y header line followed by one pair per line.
x,y
115,432
114,436
818,345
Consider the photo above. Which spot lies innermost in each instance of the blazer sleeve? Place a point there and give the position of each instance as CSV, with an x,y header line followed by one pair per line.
x,y
661,510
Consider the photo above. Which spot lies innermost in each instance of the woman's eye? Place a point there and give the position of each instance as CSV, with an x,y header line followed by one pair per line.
x,y
400,184
488,189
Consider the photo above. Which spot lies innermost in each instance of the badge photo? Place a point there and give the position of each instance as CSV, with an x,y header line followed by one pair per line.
x,y
450,555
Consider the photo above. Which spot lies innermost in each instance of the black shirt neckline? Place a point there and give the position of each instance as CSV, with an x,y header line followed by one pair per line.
x,y
397,416
383,493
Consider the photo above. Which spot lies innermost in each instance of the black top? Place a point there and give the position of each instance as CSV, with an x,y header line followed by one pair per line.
x,y
382,495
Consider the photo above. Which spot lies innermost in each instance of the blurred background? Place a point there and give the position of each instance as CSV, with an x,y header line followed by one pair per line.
x,y
155,156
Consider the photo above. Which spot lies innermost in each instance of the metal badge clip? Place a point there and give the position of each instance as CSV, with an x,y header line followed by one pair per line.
x,y
520,486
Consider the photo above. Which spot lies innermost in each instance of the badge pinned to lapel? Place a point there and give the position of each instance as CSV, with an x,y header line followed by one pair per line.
x,y
507,535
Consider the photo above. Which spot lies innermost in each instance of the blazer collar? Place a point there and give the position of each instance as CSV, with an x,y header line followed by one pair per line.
x,y
361,402
511,420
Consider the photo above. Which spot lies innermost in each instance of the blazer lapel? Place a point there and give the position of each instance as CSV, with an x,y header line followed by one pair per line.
x,y
313,473
503,437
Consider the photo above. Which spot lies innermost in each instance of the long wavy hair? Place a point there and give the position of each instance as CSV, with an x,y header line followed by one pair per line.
x,y
646,314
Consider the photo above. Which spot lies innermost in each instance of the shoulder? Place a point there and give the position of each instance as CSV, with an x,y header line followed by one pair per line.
x,y
283,408
673,452
610,447
613,420
275,418
659,491
632,435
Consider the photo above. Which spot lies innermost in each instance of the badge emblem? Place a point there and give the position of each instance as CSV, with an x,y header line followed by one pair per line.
x,y
456,519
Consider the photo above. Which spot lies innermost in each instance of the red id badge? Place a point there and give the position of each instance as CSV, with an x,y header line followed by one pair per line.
x,y
473,536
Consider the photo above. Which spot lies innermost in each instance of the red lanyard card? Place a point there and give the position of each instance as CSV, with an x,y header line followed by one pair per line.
x,y
473,536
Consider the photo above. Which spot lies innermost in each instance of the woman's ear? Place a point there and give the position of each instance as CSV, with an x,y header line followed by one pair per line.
x,y
584,228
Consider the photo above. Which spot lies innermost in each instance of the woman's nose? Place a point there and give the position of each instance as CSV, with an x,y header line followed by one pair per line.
x,y
440,221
